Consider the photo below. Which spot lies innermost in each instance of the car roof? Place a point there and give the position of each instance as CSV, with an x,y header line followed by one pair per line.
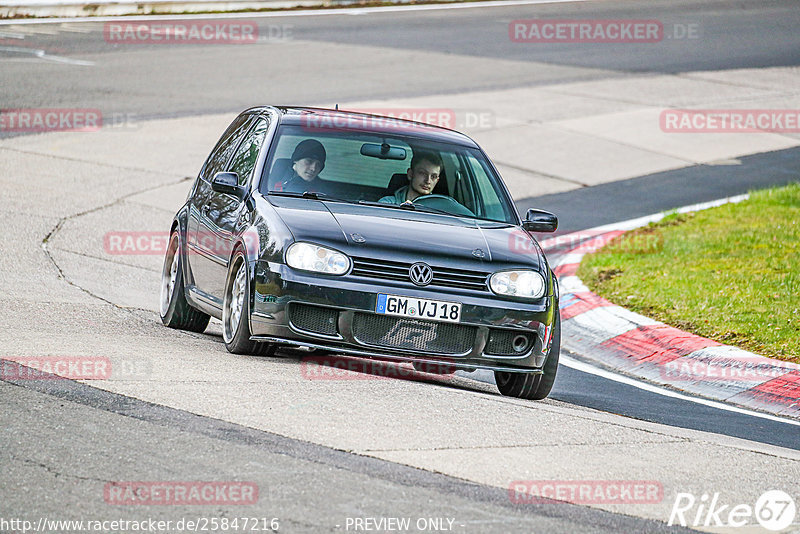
x,y
351,120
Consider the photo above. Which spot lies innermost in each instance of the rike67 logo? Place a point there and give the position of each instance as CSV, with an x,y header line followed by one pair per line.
x,y
774,510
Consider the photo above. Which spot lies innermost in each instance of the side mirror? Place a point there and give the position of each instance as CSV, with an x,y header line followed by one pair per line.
x,y
540,221
228,182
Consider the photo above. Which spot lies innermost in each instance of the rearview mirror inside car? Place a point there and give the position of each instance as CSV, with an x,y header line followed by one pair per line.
x,y
383,151
540,221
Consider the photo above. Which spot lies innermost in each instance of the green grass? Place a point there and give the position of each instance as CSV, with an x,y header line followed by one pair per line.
x,y
730,273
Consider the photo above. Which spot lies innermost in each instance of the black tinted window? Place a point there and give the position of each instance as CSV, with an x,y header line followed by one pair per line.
x,y
353,170
225,146
245,158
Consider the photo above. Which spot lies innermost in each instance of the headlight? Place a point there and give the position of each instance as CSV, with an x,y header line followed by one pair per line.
x,y
524,284
308,257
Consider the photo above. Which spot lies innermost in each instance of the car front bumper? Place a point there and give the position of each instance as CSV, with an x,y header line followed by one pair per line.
x,y
338,313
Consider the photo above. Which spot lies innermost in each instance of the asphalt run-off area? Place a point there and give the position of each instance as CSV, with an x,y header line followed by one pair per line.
x,y
605,113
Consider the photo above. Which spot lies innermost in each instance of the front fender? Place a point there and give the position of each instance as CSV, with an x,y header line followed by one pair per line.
x,y
180,223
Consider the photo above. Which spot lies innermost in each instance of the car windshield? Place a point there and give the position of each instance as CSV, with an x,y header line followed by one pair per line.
x,y
373,169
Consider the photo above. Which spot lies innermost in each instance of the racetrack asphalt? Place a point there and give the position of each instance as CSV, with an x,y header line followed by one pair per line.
x,y
461,431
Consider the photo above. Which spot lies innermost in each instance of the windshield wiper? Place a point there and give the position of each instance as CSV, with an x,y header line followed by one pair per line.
x,y
422,207
307,194
405,206
411,206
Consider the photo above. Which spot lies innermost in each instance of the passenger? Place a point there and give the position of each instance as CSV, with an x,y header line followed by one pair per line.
x,y
423,175
308,160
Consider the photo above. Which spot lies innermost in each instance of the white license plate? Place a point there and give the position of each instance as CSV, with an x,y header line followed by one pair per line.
x,y
433,310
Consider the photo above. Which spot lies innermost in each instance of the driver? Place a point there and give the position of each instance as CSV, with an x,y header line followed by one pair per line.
x,y
423,175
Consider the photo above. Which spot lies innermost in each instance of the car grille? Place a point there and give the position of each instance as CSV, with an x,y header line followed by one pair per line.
x,y
501,342
314,319
413,334
442,276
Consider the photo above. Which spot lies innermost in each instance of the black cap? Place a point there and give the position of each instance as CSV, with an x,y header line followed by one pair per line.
x,y
310,148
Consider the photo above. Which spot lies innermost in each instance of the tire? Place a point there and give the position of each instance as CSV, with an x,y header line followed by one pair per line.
x,y
530,386
175,310
236,311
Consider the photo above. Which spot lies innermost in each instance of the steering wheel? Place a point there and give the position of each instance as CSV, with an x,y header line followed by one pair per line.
x,y
433,196
453,206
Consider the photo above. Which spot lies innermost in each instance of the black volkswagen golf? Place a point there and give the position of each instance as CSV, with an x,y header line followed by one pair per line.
x,y
368,236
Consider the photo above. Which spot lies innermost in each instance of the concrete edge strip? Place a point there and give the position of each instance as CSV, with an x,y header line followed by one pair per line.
x,y
446,4
393,472
639,346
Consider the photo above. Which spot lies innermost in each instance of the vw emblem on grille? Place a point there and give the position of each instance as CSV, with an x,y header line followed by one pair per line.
x,y
421,274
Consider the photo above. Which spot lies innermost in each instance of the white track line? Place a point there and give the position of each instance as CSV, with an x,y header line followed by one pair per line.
x,y
298,13
631,224
642,221
42,54
578,365
67,27
608,375
30,30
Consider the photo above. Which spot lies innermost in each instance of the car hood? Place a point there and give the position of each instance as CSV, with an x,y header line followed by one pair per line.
x,y
408,236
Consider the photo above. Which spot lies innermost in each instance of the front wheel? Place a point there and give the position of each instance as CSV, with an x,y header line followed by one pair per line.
x,y
175,310
530,386
236,311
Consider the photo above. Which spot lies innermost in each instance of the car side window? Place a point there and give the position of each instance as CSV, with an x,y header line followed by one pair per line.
x,y
225,146
488,204
244,161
